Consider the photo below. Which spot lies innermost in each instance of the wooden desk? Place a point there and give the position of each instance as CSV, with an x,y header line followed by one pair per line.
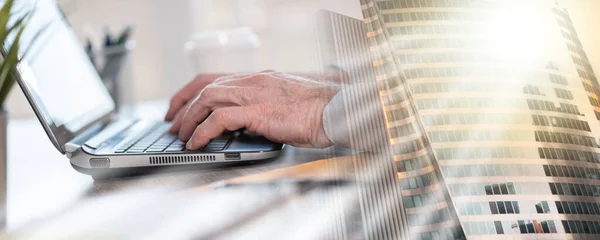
x,y
42,184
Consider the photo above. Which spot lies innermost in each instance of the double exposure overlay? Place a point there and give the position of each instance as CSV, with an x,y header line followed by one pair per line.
x,y
491,109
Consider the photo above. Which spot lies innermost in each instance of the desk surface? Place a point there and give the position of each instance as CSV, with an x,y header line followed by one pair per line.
x,y
42,184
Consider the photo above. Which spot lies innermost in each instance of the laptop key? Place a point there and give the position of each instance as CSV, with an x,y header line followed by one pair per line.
x,y
174,149
155,150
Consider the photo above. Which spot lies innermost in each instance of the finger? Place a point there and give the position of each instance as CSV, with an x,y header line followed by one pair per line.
x,y
186,93
178,118
207,101
221,120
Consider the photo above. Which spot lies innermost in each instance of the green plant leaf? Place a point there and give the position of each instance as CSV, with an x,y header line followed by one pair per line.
x,y
4,16
15,26
8,65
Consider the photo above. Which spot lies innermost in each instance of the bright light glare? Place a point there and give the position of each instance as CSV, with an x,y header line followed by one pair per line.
x,y
520,33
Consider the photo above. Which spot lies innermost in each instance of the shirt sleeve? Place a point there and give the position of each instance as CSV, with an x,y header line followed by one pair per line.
x,y
354,118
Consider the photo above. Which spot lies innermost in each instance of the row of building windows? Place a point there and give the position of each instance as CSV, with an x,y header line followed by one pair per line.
x,y
535,226
541,120
424,199
585,64
398,114
428,218
508,188
385,5
419,181
587,208
566,25
451,233
594,102
413,163
533,104
475,72
571,37
490,170
459,153
502,207
408,146
444,57
395,98
571,172
569,154
561,93
436,29
482,228
530,89
558,79
444,87
587,87
586,75
565,138
402,130
574,49
561,13
437,103
510,227
581,227
478,135
574,189
597,114
428,16
487,208
543,105
458,43
473,118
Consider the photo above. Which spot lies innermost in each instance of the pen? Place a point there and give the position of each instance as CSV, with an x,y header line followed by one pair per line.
x,y
107,39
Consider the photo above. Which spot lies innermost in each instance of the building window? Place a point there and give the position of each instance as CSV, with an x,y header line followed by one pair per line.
x,y
586,208
569,154
571,172
542,207
565,138
492,170
479,153
561,93
541,120
574,189
581,227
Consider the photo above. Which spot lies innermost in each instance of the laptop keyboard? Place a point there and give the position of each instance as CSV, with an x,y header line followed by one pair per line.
x,y
158,140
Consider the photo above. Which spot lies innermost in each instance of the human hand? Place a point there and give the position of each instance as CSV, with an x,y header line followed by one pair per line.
x,y
279,106
181,100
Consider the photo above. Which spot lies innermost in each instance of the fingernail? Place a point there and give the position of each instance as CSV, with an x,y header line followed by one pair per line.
x,y
189,144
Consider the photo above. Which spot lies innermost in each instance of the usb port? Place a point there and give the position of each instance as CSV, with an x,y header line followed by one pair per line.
x,y
232,156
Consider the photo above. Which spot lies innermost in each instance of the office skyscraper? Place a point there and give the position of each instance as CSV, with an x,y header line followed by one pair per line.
x,y
492,111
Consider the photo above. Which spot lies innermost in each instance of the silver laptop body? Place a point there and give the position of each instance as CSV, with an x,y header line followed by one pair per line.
x,y
79,116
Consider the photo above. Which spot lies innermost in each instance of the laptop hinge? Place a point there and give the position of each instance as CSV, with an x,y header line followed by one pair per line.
x,y
71,148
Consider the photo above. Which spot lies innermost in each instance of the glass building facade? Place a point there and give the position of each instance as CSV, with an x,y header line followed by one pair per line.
x,y
492,113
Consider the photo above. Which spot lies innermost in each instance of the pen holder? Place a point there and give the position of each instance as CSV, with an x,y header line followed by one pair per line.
x,y
116,72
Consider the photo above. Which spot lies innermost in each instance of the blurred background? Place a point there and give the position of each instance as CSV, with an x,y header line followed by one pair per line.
x,y
175,39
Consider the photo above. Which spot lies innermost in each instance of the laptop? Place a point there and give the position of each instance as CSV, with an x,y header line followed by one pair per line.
x,y
78,114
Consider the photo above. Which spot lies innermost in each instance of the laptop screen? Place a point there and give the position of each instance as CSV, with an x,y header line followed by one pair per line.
x,y
56,72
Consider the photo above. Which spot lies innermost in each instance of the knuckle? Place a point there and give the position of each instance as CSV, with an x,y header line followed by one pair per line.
x,y
219,115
